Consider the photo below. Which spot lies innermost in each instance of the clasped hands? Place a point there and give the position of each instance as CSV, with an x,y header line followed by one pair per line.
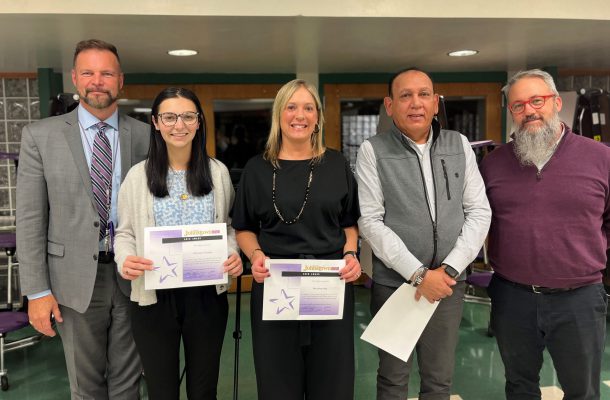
x,y
435,286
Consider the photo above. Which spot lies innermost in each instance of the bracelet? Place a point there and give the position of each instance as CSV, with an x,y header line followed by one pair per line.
x,y
351,253
254,251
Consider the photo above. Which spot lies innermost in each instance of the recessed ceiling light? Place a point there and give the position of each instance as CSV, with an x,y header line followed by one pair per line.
x,y
462,53
182,52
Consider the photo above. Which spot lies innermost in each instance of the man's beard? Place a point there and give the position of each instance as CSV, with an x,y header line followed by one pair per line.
x,y
535,145
99,102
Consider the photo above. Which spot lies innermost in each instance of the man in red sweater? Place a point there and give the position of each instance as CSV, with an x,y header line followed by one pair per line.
x,y
549,191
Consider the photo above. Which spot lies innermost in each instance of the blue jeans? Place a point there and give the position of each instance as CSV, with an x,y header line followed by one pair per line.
x,y
571,325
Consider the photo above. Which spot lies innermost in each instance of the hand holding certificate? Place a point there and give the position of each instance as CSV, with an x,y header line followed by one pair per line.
x,y
183,256
303,289
398,325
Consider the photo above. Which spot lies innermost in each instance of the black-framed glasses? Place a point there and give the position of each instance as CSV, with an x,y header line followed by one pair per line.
x,y
170,118
536,102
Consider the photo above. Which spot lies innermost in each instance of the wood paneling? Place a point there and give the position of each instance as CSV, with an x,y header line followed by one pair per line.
x,y
207,94
334,93
583,72
31,75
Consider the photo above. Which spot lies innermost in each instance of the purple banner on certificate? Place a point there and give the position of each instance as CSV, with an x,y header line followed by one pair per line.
x,y
279,268
193,271
312,306
156,240
303,289
186,255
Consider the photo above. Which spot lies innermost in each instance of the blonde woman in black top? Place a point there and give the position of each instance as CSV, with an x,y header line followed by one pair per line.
x,y
299,200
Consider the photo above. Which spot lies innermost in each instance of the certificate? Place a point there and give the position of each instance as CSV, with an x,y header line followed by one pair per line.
x,y
303,290
187,255
398,325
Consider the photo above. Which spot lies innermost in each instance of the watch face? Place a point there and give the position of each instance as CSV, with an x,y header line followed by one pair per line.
x,y
451,272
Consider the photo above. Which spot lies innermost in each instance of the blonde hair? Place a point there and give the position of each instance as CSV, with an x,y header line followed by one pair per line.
x,y
274,141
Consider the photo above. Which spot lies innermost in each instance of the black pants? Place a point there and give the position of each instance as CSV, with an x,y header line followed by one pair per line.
x,y
197,315
571,325
296,360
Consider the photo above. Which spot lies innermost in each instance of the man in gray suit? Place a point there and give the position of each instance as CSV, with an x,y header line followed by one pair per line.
x,y
64,228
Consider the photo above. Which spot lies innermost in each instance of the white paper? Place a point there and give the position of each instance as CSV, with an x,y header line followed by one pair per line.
x,y
303,289
187,255
397,327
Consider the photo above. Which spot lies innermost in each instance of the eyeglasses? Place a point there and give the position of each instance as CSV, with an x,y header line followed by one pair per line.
x,y
170,118
535,102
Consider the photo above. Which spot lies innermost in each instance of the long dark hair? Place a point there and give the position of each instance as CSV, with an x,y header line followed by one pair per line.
x,y
198,175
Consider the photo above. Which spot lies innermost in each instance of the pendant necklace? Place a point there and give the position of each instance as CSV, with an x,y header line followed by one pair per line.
x,y
181,174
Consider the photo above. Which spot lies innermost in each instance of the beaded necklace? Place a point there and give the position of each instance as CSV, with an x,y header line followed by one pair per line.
x,y
277,210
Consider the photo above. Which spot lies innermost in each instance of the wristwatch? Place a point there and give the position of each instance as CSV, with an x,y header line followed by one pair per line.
x,y
419,276
452,272
351,253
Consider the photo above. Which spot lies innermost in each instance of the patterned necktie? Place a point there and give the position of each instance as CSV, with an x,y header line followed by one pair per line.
x,y
101,175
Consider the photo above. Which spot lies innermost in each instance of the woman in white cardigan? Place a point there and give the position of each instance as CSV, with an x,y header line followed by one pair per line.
x,y
177,185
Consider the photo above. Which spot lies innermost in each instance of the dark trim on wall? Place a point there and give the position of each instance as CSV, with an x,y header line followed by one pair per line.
x,y
554,71
50,84
151,78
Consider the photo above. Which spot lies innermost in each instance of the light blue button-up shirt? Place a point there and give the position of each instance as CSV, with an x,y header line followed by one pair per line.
x,y
87,122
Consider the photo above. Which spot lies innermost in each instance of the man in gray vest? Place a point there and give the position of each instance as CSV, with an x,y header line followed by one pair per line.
x,y
425,215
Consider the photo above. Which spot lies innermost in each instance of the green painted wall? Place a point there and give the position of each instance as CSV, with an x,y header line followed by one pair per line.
x,y
50,84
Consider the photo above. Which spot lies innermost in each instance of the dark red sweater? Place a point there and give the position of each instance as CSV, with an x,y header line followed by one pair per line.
x,y
550,228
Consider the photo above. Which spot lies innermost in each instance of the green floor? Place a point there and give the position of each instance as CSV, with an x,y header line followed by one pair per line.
x,y
39,372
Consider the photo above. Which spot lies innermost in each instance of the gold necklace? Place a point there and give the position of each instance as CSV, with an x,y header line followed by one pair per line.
x,y
181,173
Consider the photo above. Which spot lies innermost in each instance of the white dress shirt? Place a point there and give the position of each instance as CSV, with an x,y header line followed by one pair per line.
x,y
386,245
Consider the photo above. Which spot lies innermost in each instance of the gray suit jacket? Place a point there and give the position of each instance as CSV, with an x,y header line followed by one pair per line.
x,y
57,221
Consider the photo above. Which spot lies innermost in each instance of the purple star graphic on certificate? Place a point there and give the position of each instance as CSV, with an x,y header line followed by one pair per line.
x,y
167,270
283,303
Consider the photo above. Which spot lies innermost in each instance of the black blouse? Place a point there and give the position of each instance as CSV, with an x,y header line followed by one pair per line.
x,y
332,205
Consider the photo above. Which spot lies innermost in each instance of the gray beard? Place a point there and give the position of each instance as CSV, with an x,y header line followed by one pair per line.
x,y
535,145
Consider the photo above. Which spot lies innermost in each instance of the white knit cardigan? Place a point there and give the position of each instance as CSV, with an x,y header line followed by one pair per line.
x,y
135,212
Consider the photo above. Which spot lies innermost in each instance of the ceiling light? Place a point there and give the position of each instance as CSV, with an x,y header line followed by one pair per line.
x,y
462,53
145,110
182,52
